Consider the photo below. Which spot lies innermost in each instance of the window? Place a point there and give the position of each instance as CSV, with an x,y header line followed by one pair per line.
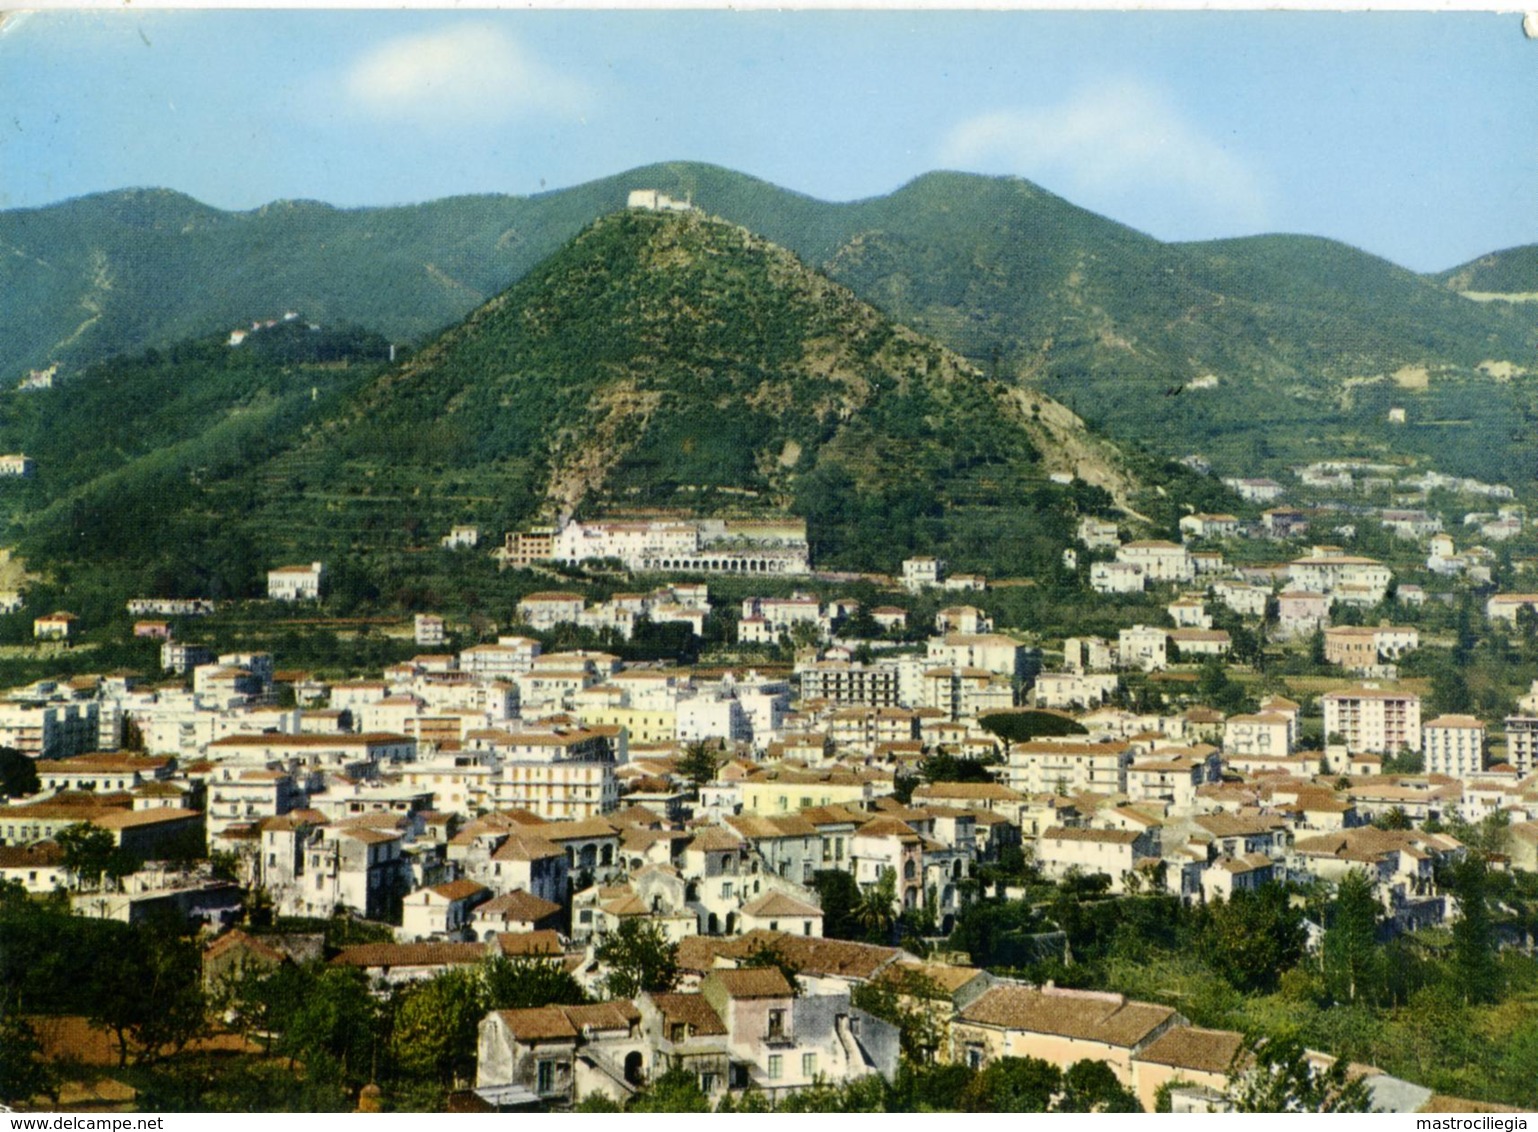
x,y
776,1023
707,1083
808,1065
546,1081
726,888
776,1066
974,1057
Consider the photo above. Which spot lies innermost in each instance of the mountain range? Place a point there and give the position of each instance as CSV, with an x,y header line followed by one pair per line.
x,y
658,362
905,371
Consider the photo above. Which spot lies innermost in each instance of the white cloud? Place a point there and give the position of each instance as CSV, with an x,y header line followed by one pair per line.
x,y
472,73
1121,148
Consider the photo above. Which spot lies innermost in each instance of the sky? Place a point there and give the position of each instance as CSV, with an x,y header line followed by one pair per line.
x,y
1412,135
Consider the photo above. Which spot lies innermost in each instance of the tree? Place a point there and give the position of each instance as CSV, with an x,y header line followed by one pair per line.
x,y
677,1090
911,1001
837,894
18,773
873,912
1474,971
945,767
523,981
1022,726
1092,1086
1352,959
148,991
437,1024
1279,1077
1253,937
87,852
639,957
23,1072
697,764
1012,1084
332,1030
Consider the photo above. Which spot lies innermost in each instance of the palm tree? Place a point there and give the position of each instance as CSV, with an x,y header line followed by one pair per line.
x,y
873,912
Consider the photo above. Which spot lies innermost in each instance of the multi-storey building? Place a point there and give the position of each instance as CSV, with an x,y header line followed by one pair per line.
x,y
1454,745
296,583
555,774
1522,743
1373,719
1068,766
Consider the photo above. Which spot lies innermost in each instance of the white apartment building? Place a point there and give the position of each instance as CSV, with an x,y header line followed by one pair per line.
x,y
51,731
1161,560
508,658
556,774
921,573
1522,743
1454,745
1245,600
1143,647
1116,578
992,652
296,583
1068,766
1265,733
1373,720
1347,577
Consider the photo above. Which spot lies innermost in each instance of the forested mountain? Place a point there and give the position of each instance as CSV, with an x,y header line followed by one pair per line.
x,y
657,361
1256,352
1510,272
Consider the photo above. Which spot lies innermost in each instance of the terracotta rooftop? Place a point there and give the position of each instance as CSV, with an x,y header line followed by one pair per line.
x,y
1190,1047
410,955
779,904
753,982
458,889
518,905
691,1009
1086,1016
542,942
548,1023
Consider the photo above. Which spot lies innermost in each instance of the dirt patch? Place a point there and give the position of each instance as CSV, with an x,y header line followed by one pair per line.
x,y
1501,371
1412,377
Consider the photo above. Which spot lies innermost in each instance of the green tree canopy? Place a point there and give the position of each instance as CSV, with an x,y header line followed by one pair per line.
x,y
1012,1084
1253,937
523,981
1351,956
639,957
18,773
698,763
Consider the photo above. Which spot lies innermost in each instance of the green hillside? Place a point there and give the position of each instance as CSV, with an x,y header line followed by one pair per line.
x,y
1510,272
1224,346
657,361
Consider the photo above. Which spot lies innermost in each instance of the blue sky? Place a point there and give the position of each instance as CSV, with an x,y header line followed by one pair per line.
x,y
1412,135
